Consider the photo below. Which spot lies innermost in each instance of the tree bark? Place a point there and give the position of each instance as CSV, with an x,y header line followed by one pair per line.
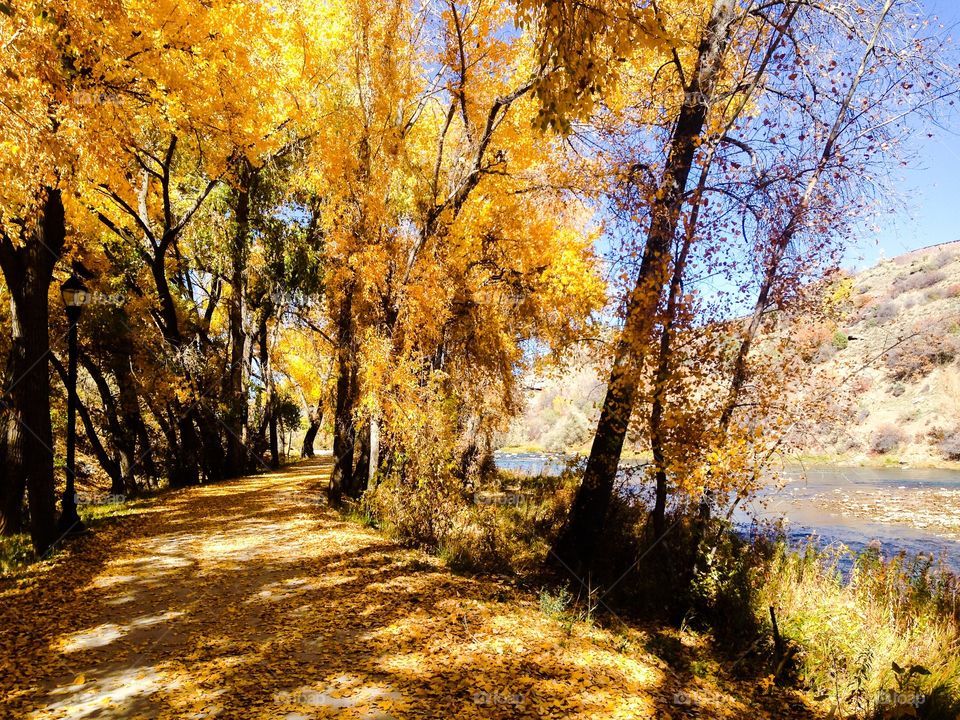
x,y
361,473
14,484
315,418
28,272
341,478
574,549
134,446
121,435
269,409
238,414
374,465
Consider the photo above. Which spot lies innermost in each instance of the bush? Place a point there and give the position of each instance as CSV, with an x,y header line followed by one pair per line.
x,y
840,340
918,280
887,438
16,552
920,354
886,311
949,446
825,353
942,259
505,525
861,384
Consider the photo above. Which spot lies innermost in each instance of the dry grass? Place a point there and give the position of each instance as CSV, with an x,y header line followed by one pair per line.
x,y
850,628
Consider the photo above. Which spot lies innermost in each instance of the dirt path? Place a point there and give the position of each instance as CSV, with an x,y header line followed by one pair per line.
x,y
251,599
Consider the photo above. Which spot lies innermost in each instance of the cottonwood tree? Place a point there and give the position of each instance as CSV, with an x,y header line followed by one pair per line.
x,y
427,139
182,146
46,51
766,99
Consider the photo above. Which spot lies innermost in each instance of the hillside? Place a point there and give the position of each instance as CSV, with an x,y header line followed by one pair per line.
x,y
897,344
903,329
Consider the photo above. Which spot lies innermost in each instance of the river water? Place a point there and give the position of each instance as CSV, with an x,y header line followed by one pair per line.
x,y
914,510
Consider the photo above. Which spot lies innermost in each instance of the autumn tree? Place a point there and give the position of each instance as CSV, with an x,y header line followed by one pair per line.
x,y
746,145
46,57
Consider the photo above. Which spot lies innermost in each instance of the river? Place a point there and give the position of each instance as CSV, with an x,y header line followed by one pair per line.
x,y
914,510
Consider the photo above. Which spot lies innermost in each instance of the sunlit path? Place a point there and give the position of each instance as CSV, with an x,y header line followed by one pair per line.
x,y
251,599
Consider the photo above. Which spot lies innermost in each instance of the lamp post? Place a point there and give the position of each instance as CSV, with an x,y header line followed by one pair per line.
x,y
75,296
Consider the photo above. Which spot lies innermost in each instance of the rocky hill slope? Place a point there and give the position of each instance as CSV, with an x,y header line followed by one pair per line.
x,y
902,327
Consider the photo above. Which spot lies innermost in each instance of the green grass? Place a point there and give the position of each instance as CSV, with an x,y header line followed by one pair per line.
x,y
16,553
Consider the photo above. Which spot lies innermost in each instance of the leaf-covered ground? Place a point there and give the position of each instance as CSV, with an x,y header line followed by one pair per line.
x,y
252,599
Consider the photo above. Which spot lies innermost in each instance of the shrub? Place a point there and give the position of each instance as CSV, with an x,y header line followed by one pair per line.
x,y
16,552
886,311
840,340
942,259
952,291
950,445
810,340
861,384
505,525
920,354
824,353
887,438
918,280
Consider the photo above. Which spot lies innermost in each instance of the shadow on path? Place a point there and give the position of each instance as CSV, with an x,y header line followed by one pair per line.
x,y
252,599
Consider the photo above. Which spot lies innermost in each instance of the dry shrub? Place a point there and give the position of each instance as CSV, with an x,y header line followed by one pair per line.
x,y
920,354
942,259
949,446
505,526
917,280
809,339
887,438
886,311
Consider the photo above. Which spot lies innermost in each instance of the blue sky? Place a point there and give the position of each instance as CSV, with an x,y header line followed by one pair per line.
x,y
929,188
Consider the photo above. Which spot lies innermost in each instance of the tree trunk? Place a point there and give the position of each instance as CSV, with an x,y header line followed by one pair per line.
x,y
184,469
238,414
341,478
665,359
315,417
28,272
574,548
361,473
134,447
13,488
121,434
110,465
374,465
212,453
185,464
269,410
